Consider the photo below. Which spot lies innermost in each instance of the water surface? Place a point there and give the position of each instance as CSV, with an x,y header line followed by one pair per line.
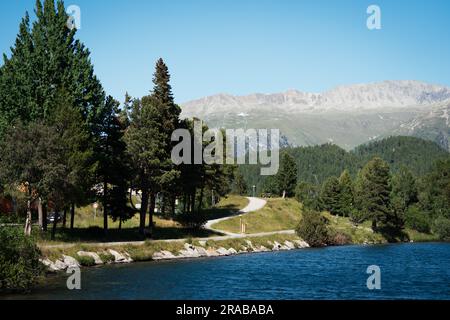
x,y
408,271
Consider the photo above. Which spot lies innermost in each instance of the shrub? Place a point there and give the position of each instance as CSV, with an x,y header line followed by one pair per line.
x,y
19,260
441,227
86,261
357,216
313,228
338,238
417,220
192,220
106,257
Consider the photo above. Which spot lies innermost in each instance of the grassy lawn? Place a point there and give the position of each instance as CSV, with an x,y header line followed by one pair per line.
x,y
88,226
417,236
279,214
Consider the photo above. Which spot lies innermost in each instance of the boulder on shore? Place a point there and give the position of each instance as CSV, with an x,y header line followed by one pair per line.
x,y
223,252
120,258
70,262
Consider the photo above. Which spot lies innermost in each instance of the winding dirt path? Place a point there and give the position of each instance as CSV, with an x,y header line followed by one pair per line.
x,y
254,204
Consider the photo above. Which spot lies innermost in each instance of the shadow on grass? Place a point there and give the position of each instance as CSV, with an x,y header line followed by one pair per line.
x,y
96,234
393,235
222,212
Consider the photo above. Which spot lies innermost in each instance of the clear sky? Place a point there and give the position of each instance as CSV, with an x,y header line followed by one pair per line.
x,y
245,46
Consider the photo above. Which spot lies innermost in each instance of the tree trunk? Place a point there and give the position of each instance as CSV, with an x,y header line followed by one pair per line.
x,y
151,212
163,203
55,222
105,207
173,205
64,217
120,223
200,202
28,221
143,211
44,216
72,215
184,203
193,201
40,214
374,224
188,203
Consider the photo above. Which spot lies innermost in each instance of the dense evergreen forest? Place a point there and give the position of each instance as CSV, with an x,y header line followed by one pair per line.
x,y
317,163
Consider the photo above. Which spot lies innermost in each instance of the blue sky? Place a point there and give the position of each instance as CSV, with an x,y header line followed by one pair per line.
x,y
245,46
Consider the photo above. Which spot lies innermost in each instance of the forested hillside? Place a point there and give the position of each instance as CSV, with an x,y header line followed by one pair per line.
x,y
316,164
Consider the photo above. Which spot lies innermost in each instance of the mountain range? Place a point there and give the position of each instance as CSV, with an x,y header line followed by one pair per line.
x,y
346,115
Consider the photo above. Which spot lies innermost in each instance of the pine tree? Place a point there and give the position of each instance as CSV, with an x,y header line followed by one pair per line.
x,y
77,155
146,146
404,194
113,169
330,196
346,193
240,185
169,116
286,178
373,190
307,194
45,59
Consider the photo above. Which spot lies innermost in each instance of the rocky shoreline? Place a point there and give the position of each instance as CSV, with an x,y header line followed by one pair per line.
x,y
189,251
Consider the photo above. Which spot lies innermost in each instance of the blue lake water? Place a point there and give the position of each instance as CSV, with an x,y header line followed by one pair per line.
x,y
408,271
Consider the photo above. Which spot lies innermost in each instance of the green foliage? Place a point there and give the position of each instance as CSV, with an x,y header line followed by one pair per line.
x,y
417,220
313,228
86,261
317,163
417,154
404,191
372,191
32,156
19,260
286,178
441,227
435,195
45,58
346,200
307,194
330,196
239,184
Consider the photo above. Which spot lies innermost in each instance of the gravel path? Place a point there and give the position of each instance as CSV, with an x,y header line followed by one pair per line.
x,y
254,204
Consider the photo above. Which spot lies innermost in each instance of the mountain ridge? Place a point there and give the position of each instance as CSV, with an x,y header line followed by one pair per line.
x,y
385,94
345,115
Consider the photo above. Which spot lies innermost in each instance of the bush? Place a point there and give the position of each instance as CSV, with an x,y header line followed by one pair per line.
x,y
417,220
357,216
441,227
192,220
19,260
86,261
337,238
313,228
